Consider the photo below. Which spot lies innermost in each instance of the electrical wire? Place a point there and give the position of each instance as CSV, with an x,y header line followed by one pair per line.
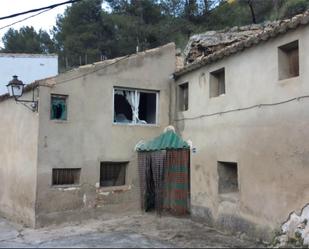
x,y
39,9
242,109
197,117
6,26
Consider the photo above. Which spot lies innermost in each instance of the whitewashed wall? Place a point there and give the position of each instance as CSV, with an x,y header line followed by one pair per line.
x,y
28,68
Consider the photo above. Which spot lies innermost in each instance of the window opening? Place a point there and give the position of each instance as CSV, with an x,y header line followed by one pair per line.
x,y
217,83
147,108
122,109
112,174
288,60
66,176
228,177
135,106
58,108
183,97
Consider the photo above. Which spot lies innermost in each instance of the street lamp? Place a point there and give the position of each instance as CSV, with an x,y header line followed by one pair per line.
x,y
16,89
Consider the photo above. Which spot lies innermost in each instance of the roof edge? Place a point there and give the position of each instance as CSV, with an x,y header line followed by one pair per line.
x,y
115,59
284,27
25,55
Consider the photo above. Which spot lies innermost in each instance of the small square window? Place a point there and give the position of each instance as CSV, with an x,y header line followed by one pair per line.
x,y
183,97
66,176
228,177
288,60
113,174
58,109
217,83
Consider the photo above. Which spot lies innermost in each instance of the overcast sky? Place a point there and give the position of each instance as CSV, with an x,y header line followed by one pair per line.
x,y
45,20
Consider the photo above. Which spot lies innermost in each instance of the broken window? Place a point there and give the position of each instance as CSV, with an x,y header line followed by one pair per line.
x,y
183,97
113,174
228,177
217,83
58,108
135,106
66,176
288,60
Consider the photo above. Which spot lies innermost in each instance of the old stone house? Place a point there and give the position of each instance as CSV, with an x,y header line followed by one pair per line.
x,y
240,100
243,102
75,157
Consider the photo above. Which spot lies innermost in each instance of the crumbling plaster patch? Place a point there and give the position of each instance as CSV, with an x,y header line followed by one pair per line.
x,y
295,230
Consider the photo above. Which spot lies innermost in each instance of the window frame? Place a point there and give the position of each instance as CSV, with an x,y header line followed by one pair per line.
x,y
157,92
179,94
234,165
284,57
124,164
63,96
213,76
79,170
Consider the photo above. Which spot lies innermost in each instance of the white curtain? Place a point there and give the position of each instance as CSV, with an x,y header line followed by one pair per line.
x,y
133,99
137,96
119,92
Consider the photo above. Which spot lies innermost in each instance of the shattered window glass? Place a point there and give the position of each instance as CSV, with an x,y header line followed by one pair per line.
x,y
58,108
135,106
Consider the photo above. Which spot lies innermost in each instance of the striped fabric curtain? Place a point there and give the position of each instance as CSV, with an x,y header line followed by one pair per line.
x,y
177,182
158,160
164,180
143,163
151,171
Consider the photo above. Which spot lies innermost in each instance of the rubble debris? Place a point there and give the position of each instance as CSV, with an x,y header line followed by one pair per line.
x,y
207,43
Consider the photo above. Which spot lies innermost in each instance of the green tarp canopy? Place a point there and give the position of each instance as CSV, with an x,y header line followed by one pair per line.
x,y
168,140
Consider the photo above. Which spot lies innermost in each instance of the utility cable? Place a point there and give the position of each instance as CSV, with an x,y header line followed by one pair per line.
x,y
39,9
6,26
242,109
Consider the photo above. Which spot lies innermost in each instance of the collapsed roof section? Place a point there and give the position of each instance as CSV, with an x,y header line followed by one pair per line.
x,y
202,45
212,46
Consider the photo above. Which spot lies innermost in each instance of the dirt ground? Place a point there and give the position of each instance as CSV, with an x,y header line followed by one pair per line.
x,y
127,230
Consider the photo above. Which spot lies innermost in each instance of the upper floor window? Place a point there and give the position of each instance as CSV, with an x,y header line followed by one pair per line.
x,y
288,60
133,106
58,108
183,97
217,83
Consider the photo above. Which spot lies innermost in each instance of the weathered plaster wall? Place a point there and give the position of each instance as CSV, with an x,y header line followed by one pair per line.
x,y
18,161
89,136
270,144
